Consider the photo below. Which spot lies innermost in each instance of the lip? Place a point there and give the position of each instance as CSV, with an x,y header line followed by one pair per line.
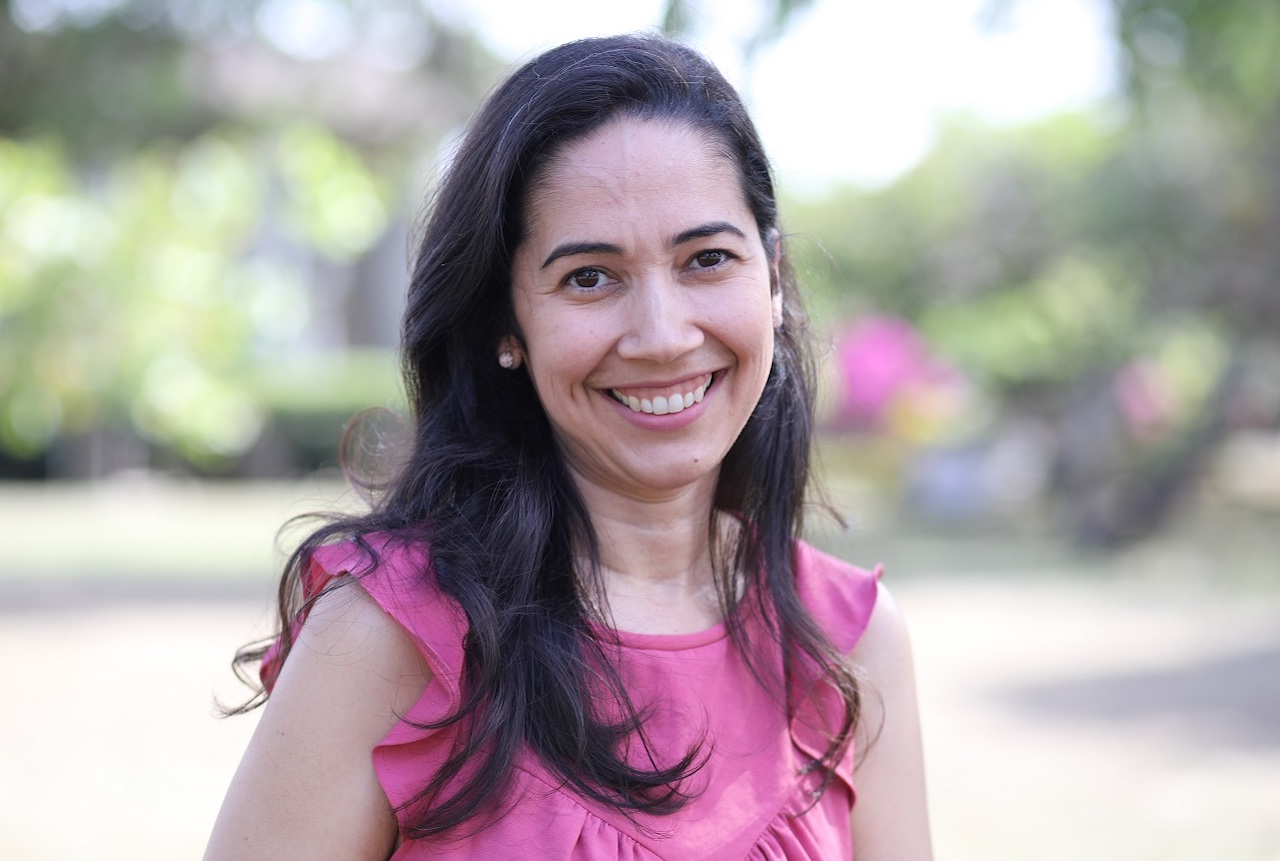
x,y
670,420
666,398
688,379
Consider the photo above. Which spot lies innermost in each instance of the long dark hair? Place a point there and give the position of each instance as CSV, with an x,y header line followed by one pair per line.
x,y
484,485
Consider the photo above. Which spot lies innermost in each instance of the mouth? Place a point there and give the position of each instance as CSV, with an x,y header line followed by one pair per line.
x,y
666,400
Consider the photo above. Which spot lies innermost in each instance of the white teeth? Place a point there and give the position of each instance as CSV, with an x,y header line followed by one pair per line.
x,y
661,406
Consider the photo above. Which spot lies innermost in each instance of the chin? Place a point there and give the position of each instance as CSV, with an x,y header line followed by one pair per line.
x,y
675,478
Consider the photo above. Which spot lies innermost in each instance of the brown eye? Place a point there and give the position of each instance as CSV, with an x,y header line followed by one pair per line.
x,y
708,259
586,279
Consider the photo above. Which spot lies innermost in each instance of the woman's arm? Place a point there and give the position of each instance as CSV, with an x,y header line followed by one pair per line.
x,y
890,818
306,787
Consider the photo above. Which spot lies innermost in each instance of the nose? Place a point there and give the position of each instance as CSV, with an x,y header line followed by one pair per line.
x,y
662,320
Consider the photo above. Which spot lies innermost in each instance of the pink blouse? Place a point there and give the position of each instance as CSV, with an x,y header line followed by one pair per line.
x,y
754,799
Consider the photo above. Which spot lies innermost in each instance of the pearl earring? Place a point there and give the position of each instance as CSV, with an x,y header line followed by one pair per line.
x,y
507,359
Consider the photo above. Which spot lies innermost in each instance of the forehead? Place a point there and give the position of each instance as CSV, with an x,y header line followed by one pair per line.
x,y
634,169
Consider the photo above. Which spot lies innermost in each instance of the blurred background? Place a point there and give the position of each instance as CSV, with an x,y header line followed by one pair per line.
x,y
1040,244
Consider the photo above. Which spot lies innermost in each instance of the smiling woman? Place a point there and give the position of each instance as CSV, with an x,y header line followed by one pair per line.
x,y
579,623
648,328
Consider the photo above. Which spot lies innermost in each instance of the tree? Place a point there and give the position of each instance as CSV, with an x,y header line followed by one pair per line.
x,y
181,189
1114,279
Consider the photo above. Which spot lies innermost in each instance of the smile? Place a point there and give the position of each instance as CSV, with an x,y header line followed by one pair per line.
x,y
663,401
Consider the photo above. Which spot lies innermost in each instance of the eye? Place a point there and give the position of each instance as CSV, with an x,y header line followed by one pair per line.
x,y
709,259
586,279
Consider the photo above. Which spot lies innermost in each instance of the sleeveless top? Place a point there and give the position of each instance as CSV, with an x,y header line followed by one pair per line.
x,y
755,796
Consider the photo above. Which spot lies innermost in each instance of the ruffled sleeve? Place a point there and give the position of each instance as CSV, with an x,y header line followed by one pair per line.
x,y
841,597
398,576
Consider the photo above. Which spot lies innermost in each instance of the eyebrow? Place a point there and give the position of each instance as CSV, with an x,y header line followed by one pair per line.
x,y
703,231
569,249
707,230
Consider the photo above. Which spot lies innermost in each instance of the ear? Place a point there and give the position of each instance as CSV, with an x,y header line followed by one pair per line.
x,y
510,352
773,248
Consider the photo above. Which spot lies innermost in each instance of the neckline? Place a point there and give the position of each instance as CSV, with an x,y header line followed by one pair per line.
x,y
662,642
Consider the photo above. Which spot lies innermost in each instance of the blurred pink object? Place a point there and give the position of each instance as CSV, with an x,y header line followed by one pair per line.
x,y
878,359
1147,399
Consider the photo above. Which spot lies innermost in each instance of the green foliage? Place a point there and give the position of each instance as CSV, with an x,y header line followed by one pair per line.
x,y
1225,49
97,83
140,298
1076,313
168,232
975,216
1034,258
335,204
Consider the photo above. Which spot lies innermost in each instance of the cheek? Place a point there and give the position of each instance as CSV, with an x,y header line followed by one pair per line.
x,y
749,329
562,350
756,345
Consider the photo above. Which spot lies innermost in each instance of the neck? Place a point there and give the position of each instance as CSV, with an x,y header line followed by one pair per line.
x,y
655,558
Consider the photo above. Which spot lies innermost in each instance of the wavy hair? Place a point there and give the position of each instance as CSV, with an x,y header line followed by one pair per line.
x,y
484,485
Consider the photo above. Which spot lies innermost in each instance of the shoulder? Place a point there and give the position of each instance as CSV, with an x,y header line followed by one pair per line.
x,y
840,596
397,580
347,627
393,576
884,649
856,608
399,576
352,671
307,785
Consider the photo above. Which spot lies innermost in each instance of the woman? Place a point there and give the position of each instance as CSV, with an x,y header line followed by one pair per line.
x,y
579,623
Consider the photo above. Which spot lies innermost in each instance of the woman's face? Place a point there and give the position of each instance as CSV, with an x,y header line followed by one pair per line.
x,y
642,295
